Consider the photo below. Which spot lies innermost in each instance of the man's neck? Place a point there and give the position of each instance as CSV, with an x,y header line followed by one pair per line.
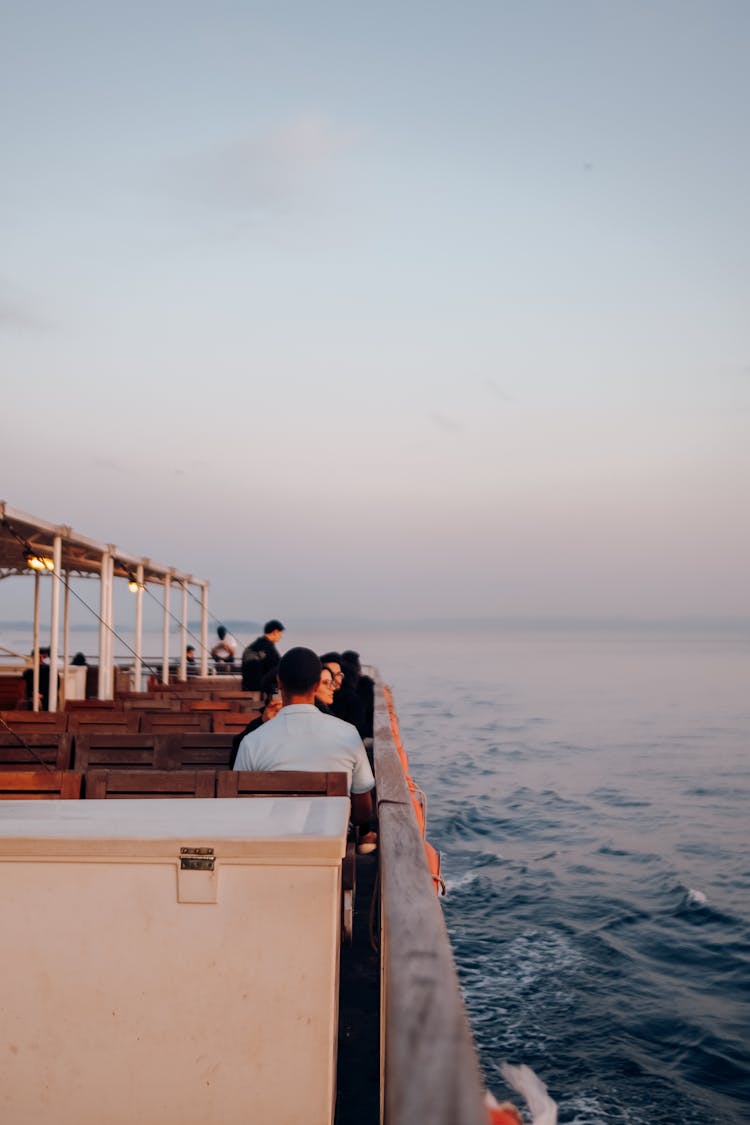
x,y
288,698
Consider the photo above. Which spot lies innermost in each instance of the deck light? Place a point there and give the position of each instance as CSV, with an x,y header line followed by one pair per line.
x,y
133,584
40,562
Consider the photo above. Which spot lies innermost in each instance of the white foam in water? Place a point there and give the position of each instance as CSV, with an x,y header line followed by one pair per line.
x,y
525,1082
696,898
464,881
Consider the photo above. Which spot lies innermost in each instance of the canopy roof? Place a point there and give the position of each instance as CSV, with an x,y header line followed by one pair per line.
x,y
22,535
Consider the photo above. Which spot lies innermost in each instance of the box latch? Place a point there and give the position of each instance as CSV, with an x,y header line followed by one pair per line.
x,y
197,879
197,859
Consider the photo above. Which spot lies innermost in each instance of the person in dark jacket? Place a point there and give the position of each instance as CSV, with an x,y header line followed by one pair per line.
x,y
261,657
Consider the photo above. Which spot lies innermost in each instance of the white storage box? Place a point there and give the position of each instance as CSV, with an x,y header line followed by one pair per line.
x,y
170,962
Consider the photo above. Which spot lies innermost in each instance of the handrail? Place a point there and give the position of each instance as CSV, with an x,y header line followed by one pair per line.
x,y
431,1067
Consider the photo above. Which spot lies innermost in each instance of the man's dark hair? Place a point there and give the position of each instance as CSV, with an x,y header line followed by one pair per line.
x,y
351,657
272,625
330,657
299,670
222,632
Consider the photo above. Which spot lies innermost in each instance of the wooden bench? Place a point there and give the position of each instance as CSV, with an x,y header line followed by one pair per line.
x,y
232,722
198,750
106,750
240,700
124,722
12,691
92,705
107,784
152,704
30,749
40,785
281,783
176,721
42,721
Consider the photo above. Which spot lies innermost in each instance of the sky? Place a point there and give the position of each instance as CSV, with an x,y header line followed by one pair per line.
x,y
403,310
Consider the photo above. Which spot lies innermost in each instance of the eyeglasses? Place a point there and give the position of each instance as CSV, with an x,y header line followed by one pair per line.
x,y
326,683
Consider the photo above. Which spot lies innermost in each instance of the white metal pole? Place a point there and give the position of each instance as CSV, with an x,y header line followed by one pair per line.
x,y
138,662
105,621
66,636
54,627
204,629
111,629
35,644
183,632
165,632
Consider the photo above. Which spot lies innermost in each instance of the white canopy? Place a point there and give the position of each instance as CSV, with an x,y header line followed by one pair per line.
x,y
32,546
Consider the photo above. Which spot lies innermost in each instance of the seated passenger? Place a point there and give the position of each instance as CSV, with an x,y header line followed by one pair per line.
x,y
347,705
324,692
302,738
223,651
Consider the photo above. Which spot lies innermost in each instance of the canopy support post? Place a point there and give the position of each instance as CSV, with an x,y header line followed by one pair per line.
x,y
165,632
183,632
105,622
204,629
66,637
138,661
35,677
54,627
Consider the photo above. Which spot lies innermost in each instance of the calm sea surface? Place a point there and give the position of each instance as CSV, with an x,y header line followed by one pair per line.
x,y
589,791
590,794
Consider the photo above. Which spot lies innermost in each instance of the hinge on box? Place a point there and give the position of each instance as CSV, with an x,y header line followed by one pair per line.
x,y
197,859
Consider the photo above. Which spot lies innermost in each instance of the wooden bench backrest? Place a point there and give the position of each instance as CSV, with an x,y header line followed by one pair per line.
x,y
176,721
152,704
53,748
40,785
92,705
281,783
198,750
82,722
43,721
240,700
101,784
12,690
120,751
232,722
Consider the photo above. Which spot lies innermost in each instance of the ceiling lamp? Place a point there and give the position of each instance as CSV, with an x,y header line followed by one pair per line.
x,y
40,562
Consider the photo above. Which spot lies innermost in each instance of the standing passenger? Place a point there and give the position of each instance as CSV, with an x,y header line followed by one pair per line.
x,y
261,657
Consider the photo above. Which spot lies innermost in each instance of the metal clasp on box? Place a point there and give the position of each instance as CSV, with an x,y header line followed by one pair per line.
x,y
197,859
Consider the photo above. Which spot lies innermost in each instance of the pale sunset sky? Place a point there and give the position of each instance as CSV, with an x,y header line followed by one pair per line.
x,y
408,309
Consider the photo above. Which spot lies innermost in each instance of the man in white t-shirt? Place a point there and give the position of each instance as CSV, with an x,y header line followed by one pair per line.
x,y
301,737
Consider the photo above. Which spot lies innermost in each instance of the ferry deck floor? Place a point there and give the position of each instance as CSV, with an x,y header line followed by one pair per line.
x,y
358,1064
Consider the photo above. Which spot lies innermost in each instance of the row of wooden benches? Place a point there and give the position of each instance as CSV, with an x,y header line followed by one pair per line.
x,y
119,749
100,784
25,723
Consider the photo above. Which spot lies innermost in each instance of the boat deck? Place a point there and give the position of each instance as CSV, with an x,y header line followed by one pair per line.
x,y
358,1064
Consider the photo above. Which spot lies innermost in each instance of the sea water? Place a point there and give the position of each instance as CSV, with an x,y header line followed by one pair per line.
x,y
589,791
